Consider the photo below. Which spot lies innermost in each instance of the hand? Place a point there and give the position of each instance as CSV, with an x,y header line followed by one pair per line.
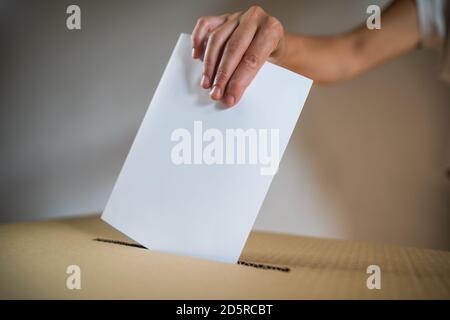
x,y
234,47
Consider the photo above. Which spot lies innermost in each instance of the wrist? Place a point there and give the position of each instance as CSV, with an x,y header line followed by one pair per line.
x,y
278,55
323,59
353,46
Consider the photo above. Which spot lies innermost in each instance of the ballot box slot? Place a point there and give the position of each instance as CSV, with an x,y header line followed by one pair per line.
x,y
264,266
122,243
256,265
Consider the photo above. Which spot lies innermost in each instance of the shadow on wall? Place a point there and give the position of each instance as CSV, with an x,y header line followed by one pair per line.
x,y
381,166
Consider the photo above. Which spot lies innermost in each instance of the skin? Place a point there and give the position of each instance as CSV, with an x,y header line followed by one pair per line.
x,y
234,47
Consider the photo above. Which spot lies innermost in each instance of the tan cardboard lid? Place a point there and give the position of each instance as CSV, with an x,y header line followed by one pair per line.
x,y
34,258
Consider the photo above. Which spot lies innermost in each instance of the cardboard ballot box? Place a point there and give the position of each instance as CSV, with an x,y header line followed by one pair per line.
x,y
39,260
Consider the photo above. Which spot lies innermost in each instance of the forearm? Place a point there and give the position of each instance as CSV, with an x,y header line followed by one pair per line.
x,y
323,59
399,34
338,58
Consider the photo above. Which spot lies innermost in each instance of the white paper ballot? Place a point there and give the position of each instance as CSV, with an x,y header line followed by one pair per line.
x,y
197,172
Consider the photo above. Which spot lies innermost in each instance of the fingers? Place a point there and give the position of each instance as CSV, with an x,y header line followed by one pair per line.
x,y
201,31
233,52
264,43
214,48
234,48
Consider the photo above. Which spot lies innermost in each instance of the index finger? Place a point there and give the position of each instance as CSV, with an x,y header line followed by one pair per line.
x,y
203,27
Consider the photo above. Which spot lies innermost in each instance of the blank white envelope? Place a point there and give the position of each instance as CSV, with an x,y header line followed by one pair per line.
x,y
200,210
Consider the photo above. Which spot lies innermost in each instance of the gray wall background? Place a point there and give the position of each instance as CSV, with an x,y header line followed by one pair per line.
x,y
367,160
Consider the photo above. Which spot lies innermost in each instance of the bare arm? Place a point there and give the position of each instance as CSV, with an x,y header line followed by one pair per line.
x,y
235,46
338,58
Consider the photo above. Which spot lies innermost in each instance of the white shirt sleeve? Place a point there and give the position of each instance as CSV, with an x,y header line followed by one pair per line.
x,y
434,22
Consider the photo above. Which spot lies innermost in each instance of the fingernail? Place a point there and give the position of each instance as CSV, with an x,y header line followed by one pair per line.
x,y
229,100
193,53
205,82
215,93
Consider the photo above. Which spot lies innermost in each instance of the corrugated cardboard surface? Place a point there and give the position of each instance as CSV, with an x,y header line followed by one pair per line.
x,y
34,258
